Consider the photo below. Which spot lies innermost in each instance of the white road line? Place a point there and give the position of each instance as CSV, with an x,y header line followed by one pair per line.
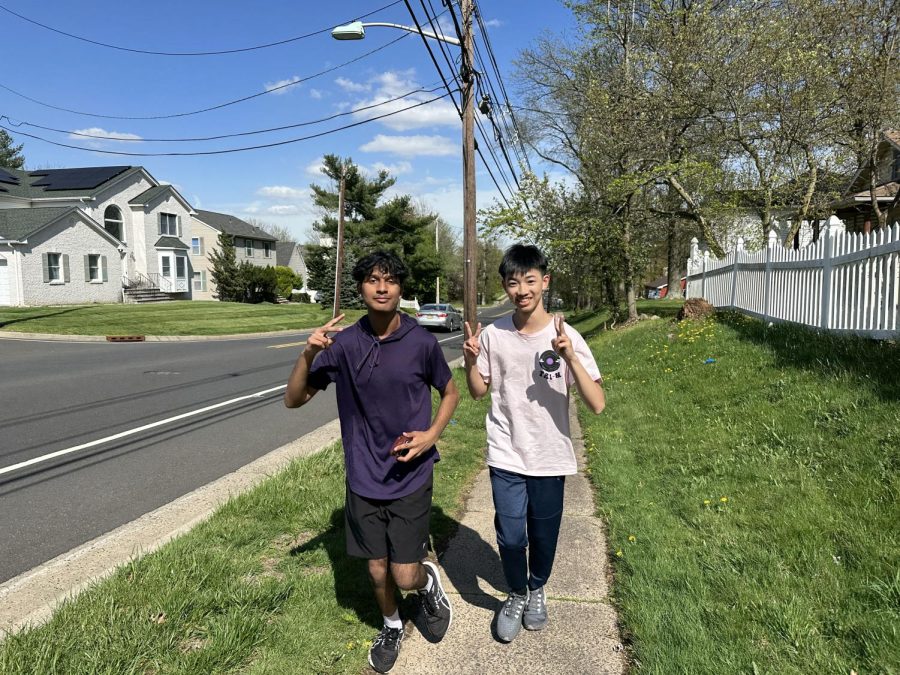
x,y
131,432
287,344
447,339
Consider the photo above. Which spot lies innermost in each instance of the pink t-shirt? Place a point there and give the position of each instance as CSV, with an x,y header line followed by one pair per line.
x,y
528,424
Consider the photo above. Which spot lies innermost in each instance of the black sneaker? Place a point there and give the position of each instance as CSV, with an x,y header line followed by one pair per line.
x,y
385,648
435,604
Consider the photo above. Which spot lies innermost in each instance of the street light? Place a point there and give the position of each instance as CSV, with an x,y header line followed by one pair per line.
x,y
357,31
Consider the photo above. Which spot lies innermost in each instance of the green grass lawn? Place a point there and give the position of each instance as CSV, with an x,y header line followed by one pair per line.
x,y
264,586
752,500
170,318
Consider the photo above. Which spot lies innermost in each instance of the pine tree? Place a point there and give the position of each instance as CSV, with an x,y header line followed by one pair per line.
x,y
320,277
10,155
225,270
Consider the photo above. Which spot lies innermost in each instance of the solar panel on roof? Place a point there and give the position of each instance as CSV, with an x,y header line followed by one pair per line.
x,y
6,177
76,179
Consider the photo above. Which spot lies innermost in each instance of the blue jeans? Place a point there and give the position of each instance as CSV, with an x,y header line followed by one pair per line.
x,y
528,515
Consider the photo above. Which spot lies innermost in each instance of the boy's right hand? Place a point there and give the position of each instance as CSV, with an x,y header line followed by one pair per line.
x,y
472,344
319,339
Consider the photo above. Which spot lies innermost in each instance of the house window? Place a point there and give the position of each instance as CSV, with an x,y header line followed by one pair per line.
x,y
197,247
168,224
200,280
268,249
112,222
53,267
166,266
248,247
93,267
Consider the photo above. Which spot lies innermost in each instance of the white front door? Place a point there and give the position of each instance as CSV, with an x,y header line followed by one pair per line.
x,y
173,268
4,282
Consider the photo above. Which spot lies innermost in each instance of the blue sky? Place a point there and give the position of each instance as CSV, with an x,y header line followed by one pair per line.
x,y
420,147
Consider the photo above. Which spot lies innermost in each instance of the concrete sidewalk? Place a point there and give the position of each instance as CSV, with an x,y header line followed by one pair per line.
x,y
582,636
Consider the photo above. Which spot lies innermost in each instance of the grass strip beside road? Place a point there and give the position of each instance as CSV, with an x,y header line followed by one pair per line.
x,y
751,482
169,318
263,586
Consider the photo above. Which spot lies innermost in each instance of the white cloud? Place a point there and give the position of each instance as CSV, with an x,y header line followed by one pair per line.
x,y
350,85
315,168
315,93
104,135
395,169
282,86
412,146
493,23
281,192
393,84
284,210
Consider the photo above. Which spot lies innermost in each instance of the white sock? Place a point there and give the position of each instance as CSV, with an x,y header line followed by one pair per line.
x,y
393,621
429,582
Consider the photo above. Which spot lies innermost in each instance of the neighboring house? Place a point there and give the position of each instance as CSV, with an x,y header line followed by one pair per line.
x,y
855,206
115,226
251,244
289,254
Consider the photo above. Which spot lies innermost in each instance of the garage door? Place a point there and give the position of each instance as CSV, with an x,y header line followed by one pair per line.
x,y
4,282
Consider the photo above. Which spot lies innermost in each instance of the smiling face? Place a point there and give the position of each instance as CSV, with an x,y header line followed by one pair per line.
x,y
526,290
380,291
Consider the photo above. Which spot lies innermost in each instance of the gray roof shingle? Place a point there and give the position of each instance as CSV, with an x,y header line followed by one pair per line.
x,y
150,194
17,224
171,242
283,252
233,226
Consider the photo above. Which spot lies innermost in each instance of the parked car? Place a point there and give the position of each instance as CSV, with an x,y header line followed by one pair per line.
x,y
439,316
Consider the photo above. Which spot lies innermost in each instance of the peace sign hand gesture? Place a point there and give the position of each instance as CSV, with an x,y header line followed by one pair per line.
x,y
562,345
319,339
472,344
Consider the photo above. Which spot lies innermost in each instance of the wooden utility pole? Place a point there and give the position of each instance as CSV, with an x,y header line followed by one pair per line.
x,y
470,243
339,252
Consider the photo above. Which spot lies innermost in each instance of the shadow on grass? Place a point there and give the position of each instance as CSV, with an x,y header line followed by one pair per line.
x,y
4,324
873,363
472,559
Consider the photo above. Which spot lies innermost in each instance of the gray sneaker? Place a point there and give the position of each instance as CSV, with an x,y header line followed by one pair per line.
x,y
535,616
509,619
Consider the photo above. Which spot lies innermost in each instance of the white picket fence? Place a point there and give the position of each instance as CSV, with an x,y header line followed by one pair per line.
x,y
843,282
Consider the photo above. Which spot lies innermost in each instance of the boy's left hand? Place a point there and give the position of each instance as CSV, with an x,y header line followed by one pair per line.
x,y
417,442
562,345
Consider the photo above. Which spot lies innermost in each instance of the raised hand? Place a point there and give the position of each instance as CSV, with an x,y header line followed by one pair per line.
x,y
562,345
320,339
472,344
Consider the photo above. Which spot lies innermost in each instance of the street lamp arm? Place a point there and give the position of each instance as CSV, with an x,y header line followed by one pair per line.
x,y
410,29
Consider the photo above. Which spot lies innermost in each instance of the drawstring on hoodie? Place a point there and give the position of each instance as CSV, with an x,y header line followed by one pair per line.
x,y
376,346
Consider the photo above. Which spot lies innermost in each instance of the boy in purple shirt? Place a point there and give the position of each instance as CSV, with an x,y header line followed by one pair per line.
x,y
384,367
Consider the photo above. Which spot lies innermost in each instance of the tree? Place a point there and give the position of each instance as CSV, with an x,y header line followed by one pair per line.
x,y
320,266
10,155
280,232
286,280
225,270
257,284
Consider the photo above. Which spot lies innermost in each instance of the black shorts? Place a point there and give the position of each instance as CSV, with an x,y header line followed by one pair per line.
x,y
396,529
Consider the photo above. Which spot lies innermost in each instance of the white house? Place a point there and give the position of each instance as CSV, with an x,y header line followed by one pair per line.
x,y
93,234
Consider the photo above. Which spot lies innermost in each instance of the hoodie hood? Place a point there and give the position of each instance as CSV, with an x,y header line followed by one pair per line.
x,y
370,345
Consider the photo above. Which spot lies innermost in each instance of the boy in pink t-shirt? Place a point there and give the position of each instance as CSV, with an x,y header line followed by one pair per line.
x,y
528,361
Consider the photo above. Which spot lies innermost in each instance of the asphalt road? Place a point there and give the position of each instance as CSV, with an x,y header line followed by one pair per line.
x,y
58,396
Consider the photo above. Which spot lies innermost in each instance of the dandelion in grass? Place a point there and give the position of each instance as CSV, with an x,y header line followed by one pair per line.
x,y
619,553
706,502
632,538
723,499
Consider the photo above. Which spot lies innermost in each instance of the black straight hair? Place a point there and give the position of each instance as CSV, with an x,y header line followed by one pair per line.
x,y
386,262
522,258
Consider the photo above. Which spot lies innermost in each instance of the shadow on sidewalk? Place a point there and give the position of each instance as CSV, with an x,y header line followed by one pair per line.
x,y
469,562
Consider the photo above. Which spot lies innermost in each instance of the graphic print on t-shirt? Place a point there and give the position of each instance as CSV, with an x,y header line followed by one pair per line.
x,y
549,363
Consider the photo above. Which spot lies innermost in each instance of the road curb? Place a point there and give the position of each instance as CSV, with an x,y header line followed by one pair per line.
x,y
30,598
52,337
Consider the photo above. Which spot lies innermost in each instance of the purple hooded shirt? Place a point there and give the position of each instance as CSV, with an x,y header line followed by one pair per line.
x,y
383,389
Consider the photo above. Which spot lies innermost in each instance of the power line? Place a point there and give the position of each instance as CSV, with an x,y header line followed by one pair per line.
x,y
215,107
228,150
211,53
431,53
431,88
